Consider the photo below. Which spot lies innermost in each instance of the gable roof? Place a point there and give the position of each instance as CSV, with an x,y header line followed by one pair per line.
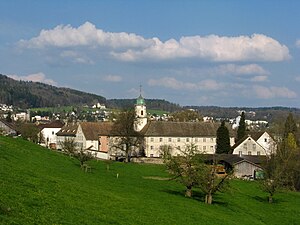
x,y
69,129
182,129
53,124
92,130
236,159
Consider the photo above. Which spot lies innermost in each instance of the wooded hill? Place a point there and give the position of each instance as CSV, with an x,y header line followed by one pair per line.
x,y
27,94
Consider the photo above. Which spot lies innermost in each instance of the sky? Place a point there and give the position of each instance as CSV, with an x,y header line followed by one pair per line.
x,y
202,53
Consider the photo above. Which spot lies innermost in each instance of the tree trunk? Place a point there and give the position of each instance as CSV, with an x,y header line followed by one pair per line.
x,y
270,198
208,198
188,192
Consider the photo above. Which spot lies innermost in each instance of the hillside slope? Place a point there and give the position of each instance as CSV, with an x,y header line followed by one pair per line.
x,y
26,94
39,186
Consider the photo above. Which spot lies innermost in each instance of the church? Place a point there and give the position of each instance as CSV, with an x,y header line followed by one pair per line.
x,y
177,135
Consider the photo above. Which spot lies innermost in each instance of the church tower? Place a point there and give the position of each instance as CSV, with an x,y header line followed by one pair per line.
x,y
140,114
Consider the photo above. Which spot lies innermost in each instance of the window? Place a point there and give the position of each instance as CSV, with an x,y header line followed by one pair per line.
x,y
170,139
240,153
204,139
142,112
245,146
178,139
266,140
211,148
151,147
160,139
204,148
52,132
258,153
254,146
151,139
151,155
196,139
187,140
249,153
211,139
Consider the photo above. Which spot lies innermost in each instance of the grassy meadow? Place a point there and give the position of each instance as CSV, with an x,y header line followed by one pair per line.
x,y
39,186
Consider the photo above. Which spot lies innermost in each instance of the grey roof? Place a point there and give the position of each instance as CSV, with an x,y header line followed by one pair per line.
x,y
182,129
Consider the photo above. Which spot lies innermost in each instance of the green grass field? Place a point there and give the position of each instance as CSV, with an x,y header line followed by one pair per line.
x,y
39,186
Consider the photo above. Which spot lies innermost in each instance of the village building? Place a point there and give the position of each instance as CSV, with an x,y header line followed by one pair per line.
x,y
47,133
7,128
255,143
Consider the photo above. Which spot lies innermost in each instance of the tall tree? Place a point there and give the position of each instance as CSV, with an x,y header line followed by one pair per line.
x,y
125,139
223,140
241,132
290,126
187,116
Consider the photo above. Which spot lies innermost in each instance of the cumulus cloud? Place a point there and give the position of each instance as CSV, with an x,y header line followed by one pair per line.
x,y
132,47
170,82
85,35
273,92
36,77
257,47
112,78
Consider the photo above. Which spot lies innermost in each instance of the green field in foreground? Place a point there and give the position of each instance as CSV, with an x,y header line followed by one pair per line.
x,y
39,186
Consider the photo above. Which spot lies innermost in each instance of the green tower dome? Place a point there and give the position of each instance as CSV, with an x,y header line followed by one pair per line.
x,y
140,100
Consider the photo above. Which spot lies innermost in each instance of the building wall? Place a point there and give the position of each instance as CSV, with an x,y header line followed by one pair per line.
x,y
245,169
203,144
6,129
49,135
104,144
249,147
267,142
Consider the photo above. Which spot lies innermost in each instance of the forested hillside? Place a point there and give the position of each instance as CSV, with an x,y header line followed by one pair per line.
x,y
26,94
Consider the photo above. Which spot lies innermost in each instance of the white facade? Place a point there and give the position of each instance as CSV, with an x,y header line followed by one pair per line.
x,y
49,135
249,147
205,145
267,142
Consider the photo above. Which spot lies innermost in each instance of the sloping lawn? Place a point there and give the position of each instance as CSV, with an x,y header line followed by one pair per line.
x,y
39,186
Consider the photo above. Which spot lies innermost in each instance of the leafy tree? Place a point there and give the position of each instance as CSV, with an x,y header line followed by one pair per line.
x,y
210,182
8,117
70,147
223,140
191,170
241,132
186,168
290,126
29,131
125,139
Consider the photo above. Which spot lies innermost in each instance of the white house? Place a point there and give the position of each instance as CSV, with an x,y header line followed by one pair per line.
x,y
48,132
255,143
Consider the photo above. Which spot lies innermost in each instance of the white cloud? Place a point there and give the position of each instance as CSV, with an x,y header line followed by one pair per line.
x,y
259,78
132,47
170,82
273,92
112,78
241,69
85,35
76,57
36,77
258,47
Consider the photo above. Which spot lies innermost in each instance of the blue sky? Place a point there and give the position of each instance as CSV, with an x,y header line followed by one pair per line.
x,y
223,53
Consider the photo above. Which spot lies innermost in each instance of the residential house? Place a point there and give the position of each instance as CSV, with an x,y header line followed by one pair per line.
x,y
255,143
48,133
7,128
92,136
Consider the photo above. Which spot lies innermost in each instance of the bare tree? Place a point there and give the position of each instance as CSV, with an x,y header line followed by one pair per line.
x,y
125,139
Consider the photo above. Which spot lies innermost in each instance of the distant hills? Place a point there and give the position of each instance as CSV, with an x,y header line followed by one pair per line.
x,y
27,94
